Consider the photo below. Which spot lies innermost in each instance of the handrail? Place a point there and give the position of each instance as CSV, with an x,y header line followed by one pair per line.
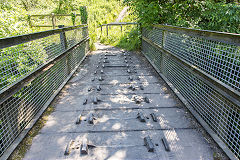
x,y
42,15
15,40
202,68
13,88
224,89
53,58
120,23
53,18
229,38
117,24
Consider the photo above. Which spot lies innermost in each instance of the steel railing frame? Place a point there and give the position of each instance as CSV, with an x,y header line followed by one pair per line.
x,y
225,90
9,91
16,40
53,18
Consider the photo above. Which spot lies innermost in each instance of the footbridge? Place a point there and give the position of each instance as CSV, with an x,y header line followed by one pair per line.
x,y
177,98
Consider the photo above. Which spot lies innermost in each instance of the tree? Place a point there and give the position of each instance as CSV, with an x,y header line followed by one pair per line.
x,y
220,15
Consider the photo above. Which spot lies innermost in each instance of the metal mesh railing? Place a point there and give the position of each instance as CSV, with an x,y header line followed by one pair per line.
x,y
218,59
154,35
219,110
18,109
29,56
74,36
18,61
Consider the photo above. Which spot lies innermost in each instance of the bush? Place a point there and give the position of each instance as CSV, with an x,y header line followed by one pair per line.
x,y
207,15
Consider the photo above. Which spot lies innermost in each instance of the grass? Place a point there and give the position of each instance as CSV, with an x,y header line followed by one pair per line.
x,y
129,39
26,143
99,12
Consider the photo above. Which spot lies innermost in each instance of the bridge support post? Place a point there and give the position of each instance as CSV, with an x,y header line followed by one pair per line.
x,y
84,15
84,19
63,38
53,21
63,41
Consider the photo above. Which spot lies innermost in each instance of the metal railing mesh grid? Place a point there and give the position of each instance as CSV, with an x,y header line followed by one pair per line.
x,y
218,59
18,110
220,113
154,35
74,36
18,61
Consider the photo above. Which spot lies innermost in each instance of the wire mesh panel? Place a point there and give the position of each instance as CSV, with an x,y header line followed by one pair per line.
x,y
218,59
154,35
74,36
17,111
219,112
152,53
18,61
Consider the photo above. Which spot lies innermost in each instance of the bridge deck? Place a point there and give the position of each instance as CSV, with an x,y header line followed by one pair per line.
x,y
117,133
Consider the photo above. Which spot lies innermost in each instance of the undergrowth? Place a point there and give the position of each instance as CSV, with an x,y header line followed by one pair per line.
x,y
128,38
14,17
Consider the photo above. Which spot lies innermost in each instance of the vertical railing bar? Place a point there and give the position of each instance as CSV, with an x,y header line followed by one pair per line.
x,y
63,41
53,23
29,20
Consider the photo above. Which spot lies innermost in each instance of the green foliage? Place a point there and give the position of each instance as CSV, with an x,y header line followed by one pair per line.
x,y
73,18
221,17
211,15
84,15
14,19
130,41
13,22
64,6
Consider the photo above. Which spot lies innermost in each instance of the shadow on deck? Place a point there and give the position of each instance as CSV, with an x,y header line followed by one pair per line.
x,y
128,82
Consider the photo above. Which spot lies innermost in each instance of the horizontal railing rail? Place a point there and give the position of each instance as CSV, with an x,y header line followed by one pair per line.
x,y
225,37
203,68
121,24
53,19
50,15
34,68
15,40
18,40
